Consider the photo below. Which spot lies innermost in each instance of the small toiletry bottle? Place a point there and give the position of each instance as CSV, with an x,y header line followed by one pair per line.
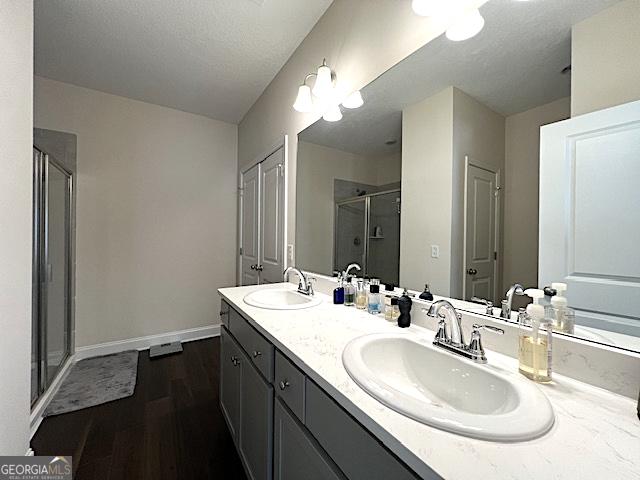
x,y
387,307
534,349
338,292
395,311
404,309
426,295
563,316
373,299
349,293
361,296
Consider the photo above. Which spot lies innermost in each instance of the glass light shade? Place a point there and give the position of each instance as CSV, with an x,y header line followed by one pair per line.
x,y
303,103
323,86
466,26
430,8
354,100
333,114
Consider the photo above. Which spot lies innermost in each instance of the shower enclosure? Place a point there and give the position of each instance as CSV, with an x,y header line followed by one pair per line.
x,y
52,270
367,231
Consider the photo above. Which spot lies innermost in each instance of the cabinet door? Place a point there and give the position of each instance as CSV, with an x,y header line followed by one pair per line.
x,y
296,454
230,381
256,425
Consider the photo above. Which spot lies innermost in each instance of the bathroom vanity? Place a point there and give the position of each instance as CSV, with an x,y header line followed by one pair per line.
x,y
294,411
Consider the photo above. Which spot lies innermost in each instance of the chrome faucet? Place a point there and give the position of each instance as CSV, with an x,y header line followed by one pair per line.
x,y
304,285
349,267
515,289
454,342
486,303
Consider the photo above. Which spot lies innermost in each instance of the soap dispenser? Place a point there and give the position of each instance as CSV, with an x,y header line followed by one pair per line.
x,y
534,349
426,295
563,316
338,292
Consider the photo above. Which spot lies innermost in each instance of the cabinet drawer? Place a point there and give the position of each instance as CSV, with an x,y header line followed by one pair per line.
x,y
289,385
258,348
356,452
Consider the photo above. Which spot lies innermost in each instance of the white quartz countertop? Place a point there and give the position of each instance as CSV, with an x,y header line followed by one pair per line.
x,y
596,434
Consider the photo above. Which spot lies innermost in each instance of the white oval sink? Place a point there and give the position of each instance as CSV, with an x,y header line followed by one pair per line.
x,y
280,299
434,387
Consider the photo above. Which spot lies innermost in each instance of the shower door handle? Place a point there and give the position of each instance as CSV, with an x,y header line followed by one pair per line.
x,y
49,273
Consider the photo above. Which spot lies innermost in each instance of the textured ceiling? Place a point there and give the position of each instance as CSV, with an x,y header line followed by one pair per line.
x,y
210,57
513,65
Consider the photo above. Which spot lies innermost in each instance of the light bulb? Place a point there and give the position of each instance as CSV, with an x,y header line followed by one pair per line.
x,y
466,26
324,85
333,113
354,100
303,103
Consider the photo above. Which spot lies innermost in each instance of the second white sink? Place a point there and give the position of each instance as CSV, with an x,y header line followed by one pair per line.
x,y
436,388
280,299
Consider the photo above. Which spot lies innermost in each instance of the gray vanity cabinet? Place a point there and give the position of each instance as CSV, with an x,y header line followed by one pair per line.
x,y
256,426
285,426
230,381
296,454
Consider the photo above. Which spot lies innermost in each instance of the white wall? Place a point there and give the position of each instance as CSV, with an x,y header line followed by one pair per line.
x,y
478,132
16,140
606,59
156,212
318,167
522,172
427,179
360,40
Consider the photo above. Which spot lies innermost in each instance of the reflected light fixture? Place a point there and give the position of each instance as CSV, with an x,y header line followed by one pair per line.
x,y
323,97
466,26
462,20
354,100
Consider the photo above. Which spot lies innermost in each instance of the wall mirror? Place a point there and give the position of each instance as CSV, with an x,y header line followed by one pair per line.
x,y
436,179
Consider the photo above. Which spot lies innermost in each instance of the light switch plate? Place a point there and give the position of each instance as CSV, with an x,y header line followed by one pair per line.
x,y
290,252
435,251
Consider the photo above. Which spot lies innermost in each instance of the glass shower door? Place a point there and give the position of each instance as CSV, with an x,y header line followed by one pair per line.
x,y
350,233
383,252
51,322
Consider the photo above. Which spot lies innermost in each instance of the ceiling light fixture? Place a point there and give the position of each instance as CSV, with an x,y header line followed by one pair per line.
x,y
323,98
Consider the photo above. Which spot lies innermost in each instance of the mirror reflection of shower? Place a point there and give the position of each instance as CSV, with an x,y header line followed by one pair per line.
x,y
367,231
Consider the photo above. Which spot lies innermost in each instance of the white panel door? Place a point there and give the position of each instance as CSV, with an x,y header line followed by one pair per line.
x,y
480,233
250,231
590,214
272,218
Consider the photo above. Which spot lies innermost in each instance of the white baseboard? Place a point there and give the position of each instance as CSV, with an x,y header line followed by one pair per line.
x,y
143,343
140,343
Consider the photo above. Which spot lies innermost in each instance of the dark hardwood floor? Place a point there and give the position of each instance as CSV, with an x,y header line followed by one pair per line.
x,y
170,428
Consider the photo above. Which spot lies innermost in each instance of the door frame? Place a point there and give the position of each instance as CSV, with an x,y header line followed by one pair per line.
x,y
470,161
284,144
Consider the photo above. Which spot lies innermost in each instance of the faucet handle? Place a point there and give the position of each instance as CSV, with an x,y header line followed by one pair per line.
x,y
441,334
487,303
475,345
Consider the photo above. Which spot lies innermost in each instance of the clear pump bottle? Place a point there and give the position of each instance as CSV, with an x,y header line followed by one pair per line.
x,y
535,340
361,296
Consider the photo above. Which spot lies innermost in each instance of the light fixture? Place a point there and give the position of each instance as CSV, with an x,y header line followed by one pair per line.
x,y
431,8
324,83
354,100
333,113
466,26
304,103
324,98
